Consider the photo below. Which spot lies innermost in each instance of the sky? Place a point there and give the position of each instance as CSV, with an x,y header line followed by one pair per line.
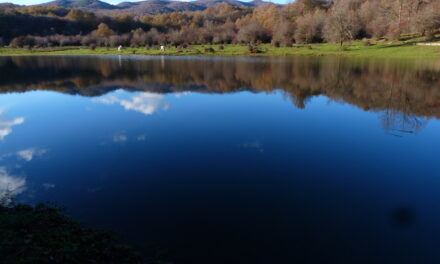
x,y
34,2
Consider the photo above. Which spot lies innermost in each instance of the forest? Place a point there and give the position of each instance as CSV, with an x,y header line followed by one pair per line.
x,y
299,22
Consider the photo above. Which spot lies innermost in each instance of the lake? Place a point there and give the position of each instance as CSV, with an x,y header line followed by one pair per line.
x,y
231,160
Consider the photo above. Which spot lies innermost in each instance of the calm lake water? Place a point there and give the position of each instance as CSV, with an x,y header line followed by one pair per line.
x,y
232,160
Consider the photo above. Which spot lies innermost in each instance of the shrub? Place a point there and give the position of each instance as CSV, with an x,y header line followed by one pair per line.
x,y
253,33
366,42
254,49
22,41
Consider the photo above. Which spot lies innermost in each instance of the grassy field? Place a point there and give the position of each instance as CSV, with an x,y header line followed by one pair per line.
x,y
357,48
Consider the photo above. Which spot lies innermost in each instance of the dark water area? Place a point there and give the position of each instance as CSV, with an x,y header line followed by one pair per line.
x,y
231,160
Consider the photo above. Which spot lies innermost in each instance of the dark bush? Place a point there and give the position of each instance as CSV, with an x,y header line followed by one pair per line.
x,y
254,49
366,42
20,42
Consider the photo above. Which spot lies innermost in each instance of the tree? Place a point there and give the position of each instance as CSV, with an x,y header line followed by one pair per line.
x,y
152,37
283,34
252,33
103,31
307,6
427,22
86,20
23,41
138,37
342,24
309,27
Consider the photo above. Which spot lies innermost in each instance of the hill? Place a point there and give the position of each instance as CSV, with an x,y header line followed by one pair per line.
x,y
8,5
83,4
149,6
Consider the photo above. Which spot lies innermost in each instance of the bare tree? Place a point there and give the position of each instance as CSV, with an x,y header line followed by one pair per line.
x,y
427,22
252,33
342,24
309,28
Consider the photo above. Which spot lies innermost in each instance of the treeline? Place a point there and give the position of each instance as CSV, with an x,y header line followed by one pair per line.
x,y
303,21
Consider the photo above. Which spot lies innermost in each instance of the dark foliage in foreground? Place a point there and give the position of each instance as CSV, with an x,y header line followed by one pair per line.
x,y
41,234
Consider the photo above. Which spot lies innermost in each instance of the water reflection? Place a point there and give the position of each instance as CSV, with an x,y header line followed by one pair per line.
x,y
403,216
30,153
25,154
405,93
10,186
7,123
233,170
145,103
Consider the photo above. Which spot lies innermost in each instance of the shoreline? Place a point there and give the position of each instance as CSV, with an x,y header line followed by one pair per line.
x,y
356,49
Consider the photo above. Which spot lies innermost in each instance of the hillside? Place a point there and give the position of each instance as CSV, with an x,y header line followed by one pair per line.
x,y
84,4
8,5
149,6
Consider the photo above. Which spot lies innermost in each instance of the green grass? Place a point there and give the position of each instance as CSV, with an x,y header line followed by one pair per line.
x,y
356,48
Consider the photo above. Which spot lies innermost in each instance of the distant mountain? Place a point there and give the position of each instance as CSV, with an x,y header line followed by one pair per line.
x,y
8,5
158,7
83,4
127,4
208,3
149,6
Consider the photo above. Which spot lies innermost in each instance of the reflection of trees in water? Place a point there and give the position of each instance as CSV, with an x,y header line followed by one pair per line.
x,y
406,93
402,121
399,123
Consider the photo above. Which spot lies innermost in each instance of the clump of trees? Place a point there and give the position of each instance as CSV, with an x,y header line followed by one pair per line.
x,y
302,21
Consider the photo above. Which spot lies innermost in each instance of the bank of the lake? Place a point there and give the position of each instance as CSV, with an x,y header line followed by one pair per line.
x,y
42,234
358,48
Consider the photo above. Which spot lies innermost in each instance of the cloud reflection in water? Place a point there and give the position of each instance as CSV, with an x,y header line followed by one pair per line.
x,y
145,103
6,124
10,186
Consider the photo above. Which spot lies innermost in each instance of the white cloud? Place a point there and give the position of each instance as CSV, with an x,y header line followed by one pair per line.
x,y
178,95
120,138
30,153
10,186
48,186
6,125
141,138
25,154
145,103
